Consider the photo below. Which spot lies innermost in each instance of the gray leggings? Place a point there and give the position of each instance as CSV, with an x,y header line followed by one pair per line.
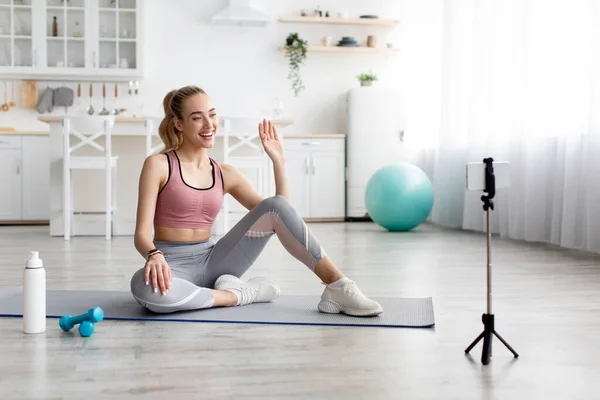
x,y
195,266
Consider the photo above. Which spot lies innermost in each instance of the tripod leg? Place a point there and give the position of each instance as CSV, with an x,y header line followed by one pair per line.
x,y
474,342
486,352
506,344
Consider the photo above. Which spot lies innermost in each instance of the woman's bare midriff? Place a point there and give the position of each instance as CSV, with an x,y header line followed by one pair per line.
x,y
180,234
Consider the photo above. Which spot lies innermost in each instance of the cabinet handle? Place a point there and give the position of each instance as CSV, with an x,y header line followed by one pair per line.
x,y
402,135
307,165
18,170
314,165
310,143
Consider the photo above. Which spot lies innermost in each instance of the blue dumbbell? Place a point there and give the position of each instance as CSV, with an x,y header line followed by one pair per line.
x,y
86,328
86,320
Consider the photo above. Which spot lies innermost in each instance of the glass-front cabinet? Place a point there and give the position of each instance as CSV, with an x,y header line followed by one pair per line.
x,y
65,23
117,34
70,38
17,34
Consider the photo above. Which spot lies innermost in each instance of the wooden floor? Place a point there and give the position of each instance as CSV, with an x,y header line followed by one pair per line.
x,y
546,302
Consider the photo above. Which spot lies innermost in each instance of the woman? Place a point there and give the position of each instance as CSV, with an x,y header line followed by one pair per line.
x,y
181,192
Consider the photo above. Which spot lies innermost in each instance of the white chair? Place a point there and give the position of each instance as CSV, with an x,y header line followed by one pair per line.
x,y
88,129
151,125
241,133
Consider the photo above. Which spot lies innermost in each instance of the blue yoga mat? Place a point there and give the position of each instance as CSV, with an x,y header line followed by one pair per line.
x,y
288,310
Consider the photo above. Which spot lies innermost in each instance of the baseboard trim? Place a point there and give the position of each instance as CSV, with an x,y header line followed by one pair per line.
x,y
365,218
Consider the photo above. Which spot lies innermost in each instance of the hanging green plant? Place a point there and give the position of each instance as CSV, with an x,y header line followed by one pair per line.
x,y
295,51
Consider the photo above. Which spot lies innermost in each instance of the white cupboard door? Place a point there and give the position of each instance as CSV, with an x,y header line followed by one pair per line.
x,y
36,178
117,31
10,182
327,183
38,34
298,167
66,45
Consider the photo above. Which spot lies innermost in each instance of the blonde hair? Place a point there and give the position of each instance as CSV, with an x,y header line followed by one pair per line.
x,y
173,104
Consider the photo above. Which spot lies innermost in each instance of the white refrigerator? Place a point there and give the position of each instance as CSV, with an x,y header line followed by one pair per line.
x,y
375,137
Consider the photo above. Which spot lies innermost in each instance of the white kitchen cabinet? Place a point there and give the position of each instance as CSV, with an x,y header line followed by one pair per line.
x,y
24,178
94,39
298,171
316,170
10,181
35,178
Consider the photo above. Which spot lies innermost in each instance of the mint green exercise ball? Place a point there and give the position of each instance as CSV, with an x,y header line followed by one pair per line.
x,y
399,197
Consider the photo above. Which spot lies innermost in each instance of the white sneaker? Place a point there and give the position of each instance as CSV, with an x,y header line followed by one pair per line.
x,y
256,290
348,300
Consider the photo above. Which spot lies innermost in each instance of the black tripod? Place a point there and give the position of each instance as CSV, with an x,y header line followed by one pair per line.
x,y
488,318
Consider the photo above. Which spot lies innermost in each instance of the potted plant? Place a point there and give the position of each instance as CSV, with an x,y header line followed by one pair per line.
x,y
366,79
295,51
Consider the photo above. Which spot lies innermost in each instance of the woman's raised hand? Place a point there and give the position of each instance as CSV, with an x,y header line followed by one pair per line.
x,y
270,141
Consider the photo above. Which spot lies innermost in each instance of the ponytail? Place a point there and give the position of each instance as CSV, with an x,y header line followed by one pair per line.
x,y
166,130
172,104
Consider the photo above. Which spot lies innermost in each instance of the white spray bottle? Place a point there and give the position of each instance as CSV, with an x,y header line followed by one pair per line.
x,y
34,295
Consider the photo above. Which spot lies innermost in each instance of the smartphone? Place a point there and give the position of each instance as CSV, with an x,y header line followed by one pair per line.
x,y
476,175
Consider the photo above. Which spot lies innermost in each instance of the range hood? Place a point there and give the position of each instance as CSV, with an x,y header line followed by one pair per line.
x,y
241,12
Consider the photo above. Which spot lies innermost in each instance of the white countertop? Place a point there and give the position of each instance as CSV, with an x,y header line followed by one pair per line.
x,y
53,119
291,135
23,133
56,118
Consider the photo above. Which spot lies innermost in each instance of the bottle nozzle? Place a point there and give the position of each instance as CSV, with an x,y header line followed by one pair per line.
x,y
34,255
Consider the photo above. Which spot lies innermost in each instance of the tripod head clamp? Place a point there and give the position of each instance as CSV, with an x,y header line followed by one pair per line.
x,y
490,184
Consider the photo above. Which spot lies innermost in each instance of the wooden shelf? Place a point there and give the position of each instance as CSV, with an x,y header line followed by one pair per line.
x,y
340,49
339,21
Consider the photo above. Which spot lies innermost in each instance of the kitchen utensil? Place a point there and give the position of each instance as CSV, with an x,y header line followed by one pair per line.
x,y
90,109
5,105
12,95
104,110
117,110
29,94
78,101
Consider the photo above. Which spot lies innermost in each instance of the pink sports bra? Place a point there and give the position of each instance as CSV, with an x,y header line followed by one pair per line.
x,y
180,205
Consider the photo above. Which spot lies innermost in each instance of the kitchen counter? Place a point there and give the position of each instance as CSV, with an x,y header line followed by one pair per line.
x,y
278,122
129,144
22,133
285,135
314,135
48,119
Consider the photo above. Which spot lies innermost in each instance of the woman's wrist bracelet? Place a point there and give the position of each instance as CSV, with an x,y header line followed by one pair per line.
x,y
152,252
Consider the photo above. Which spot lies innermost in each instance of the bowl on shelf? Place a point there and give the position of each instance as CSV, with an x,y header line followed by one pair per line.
x,y
347,41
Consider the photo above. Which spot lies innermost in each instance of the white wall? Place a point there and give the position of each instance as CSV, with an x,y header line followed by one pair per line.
x,y
244,72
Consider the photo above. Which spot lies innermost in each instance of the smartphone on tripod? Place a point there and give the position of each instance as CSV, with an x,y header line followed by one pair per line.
x,y
476,175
